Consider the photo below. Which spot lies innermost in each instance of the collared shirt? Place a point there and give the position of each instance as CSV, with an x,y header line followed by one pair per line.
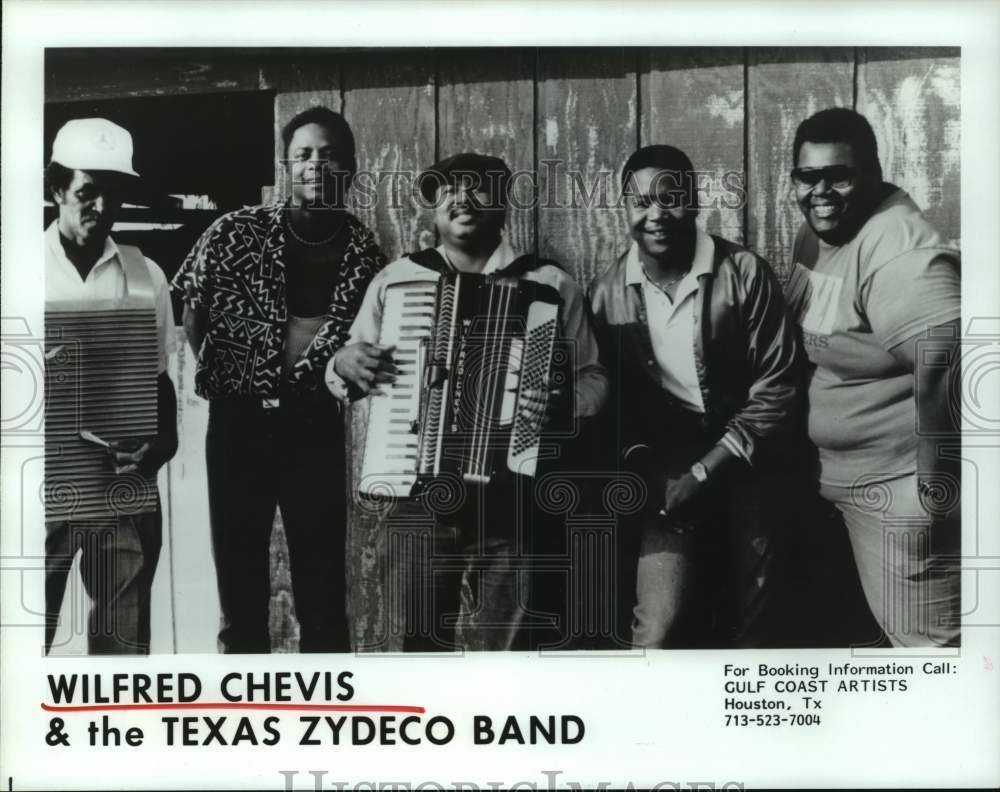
x,y
590,379
236,272
672,324
105,281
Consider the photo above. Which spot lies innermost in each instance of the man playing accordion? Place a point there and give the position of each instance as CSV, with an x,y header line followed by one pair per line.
x,y
464,573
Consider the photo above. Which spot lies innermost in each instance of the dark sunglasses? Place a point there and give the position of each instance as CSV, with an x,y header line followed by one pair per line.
x,y
836,176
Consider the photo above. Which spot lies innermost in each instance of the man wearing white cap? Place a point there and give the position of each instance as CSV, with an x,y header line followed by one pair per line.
x,y
91,166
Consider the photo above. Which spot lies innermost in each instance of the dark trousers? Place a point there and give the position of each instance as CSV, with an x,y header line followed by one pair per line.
x,y
117,563
826,601
292,457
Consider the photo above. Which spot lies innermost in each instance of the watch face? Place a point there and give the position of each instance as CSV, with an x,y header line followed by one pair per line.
x,y
699,471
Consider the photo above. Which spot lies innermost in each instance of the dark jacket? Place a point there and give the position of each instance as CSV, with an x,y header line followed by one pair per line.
x,y
744,347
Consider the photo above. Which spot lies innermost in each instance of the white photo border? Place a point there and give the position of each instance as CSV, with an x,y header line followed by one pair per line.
x,y
650,720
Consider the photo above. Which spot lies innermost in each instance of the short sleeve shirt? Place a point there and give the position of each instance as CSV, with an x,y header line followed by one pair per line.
x,y
893,281
236,272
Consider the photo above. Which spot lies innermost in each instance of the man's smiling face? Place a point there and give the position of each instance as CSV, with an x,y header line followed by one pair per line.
x,y
658,217
463,213
318,160
833,192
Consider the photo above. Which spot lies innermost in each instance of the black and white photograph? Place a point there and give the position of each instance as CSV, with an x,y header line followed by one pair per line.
x,y
688,415
604,362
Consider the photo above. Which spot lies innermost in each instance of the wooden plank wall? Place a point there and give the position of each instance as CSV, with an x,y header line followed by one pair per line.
x,y
734,110
912,100
784,86
695,99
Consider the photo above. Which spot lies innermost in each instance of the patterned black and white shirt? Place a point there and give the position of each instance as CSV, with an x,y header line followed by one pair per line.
x,y
236,272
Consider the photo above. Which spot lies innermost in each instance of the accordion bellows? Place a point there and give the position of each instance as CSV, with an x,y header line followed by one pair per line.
x,y
475,355
100,376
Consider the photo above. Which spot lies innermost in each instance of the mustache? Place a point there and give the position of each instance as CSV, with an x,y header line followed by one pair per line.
x,y
466,206
670,226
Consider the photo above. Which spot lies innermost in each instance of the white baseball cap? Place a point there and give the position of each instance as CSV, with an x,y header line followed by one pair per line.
x,y
94,144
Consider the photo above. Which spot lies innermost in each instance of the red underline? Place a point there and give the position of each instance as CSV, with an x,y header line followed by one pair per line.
x,y
233,705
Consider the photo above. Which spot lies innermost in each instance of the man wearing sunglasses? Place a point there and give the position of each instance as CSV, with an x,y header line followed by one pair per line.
x,y
876,292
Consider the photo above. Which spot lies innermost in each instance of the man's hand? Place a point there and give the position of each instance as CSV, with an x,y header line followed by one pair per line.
x,y
366,366
126,455
684,502
681,492
195,322
540,406
681,498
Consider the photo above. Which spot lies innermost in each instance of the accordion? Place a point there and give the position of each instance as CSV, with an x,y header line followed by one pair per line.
x,y
474,354
101,364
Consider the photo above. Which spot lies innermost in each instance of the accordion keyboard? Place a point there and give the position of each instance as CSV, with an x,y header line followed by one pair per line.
x,y
474,355
391,445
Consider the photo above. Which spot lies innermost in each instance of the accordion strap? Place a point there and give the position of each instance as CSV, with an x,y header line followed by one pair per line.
x,y
138,283
523,265
433,260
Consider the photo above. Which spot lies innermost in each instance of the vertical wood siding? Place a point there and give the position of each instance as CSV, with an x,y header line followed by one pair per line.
x,y
913,99
733,110
695,99
784,87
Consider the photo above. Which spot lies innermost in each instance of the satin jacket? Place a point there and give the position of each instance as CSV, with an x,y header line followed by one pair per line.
x,y
745,350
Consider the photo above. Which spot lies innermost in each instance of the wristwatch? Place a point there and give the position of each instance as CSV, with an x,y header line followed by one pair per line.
x,y
700,472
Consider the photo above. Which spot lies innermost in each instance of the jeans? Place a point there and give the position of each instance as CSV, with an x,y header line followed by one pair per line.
x,y
908,561
292,457
117,563
459,572
715,585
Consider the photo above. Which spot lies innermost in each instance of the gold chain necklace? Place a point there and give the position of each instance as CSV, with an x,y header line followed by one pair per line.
x,y
664,285
675,281
308,243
